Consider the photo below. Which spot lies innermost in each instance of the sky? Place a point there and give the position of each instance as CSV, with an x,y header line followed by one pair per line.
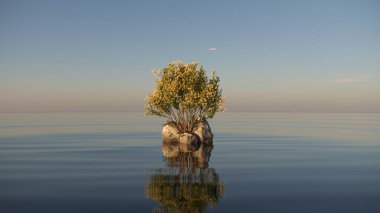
x,y
271,56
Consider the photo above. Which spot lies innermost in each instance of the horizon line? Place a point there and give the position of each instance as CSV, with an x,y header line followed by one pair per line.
x,y
242,111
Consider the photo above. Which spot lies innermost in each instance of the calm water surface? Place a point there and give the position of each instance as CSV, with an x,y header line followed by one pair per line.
x,y
260,162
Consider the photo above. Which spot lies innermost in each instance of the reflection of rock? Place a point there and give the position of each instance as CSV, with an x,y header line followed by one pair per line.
x,y
188,185
187,155
202,133
175,149
203,155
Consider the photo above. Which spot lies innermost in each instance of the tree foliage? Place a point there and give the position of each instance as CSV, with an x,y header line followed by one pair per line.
x,y
183,94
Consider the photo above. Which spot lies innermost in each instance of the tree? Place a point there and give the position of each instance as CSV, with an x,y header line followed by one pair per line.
x,y
184,94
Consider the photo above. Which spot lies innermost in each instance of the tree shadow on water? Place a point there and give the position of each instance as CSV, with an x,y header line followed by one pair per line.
x,y
187,184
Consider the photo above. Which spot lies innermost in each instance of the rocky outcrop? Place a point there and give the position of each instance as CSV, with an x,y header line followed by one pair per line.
x,y
203,131
170,133
187,138
202,134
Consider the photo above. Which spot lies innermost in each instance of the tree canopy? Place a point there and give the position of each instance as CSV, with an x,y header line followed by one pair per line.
x,y
183,94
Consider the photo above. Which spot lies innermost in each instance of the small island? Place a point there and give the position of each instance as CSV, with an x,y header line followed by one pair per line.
x,y
187,98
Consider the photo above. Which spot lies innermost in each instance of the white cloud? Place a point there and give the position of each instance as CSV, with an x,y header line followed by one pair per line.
x,y
352,79
211,49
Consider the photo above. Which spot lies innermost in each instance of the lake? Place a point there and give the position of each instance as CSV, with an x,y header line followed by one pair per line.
x,y
259,162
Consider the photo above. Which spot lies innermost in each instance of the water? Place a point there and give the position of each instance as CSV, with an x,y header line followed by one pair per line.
x,y
260,162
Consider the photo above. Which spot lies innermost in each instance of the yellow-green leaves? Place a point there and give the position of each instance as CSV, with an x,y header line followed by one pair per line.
x,y
184,93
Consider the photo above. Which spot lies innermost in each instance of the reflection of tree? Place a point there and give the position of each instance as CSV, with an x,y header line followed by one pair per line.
x,y
187,185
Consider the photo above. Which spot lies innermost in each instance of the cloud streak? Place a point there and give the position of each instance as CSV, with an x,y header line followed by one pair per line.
x,y
211,49
352,79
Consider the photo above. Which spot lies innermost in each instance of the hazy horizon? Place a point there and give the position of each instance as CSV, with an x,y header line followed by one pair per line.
x,y
271,56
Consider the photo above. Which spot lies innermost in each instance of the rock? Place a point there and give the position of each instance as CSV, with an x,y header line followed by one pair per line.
x,y
170,150
203,131
187,138
170,133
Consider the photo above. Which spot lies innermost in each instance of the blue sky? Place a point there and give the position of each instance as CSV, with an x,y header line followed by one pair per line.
x,y
290,56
